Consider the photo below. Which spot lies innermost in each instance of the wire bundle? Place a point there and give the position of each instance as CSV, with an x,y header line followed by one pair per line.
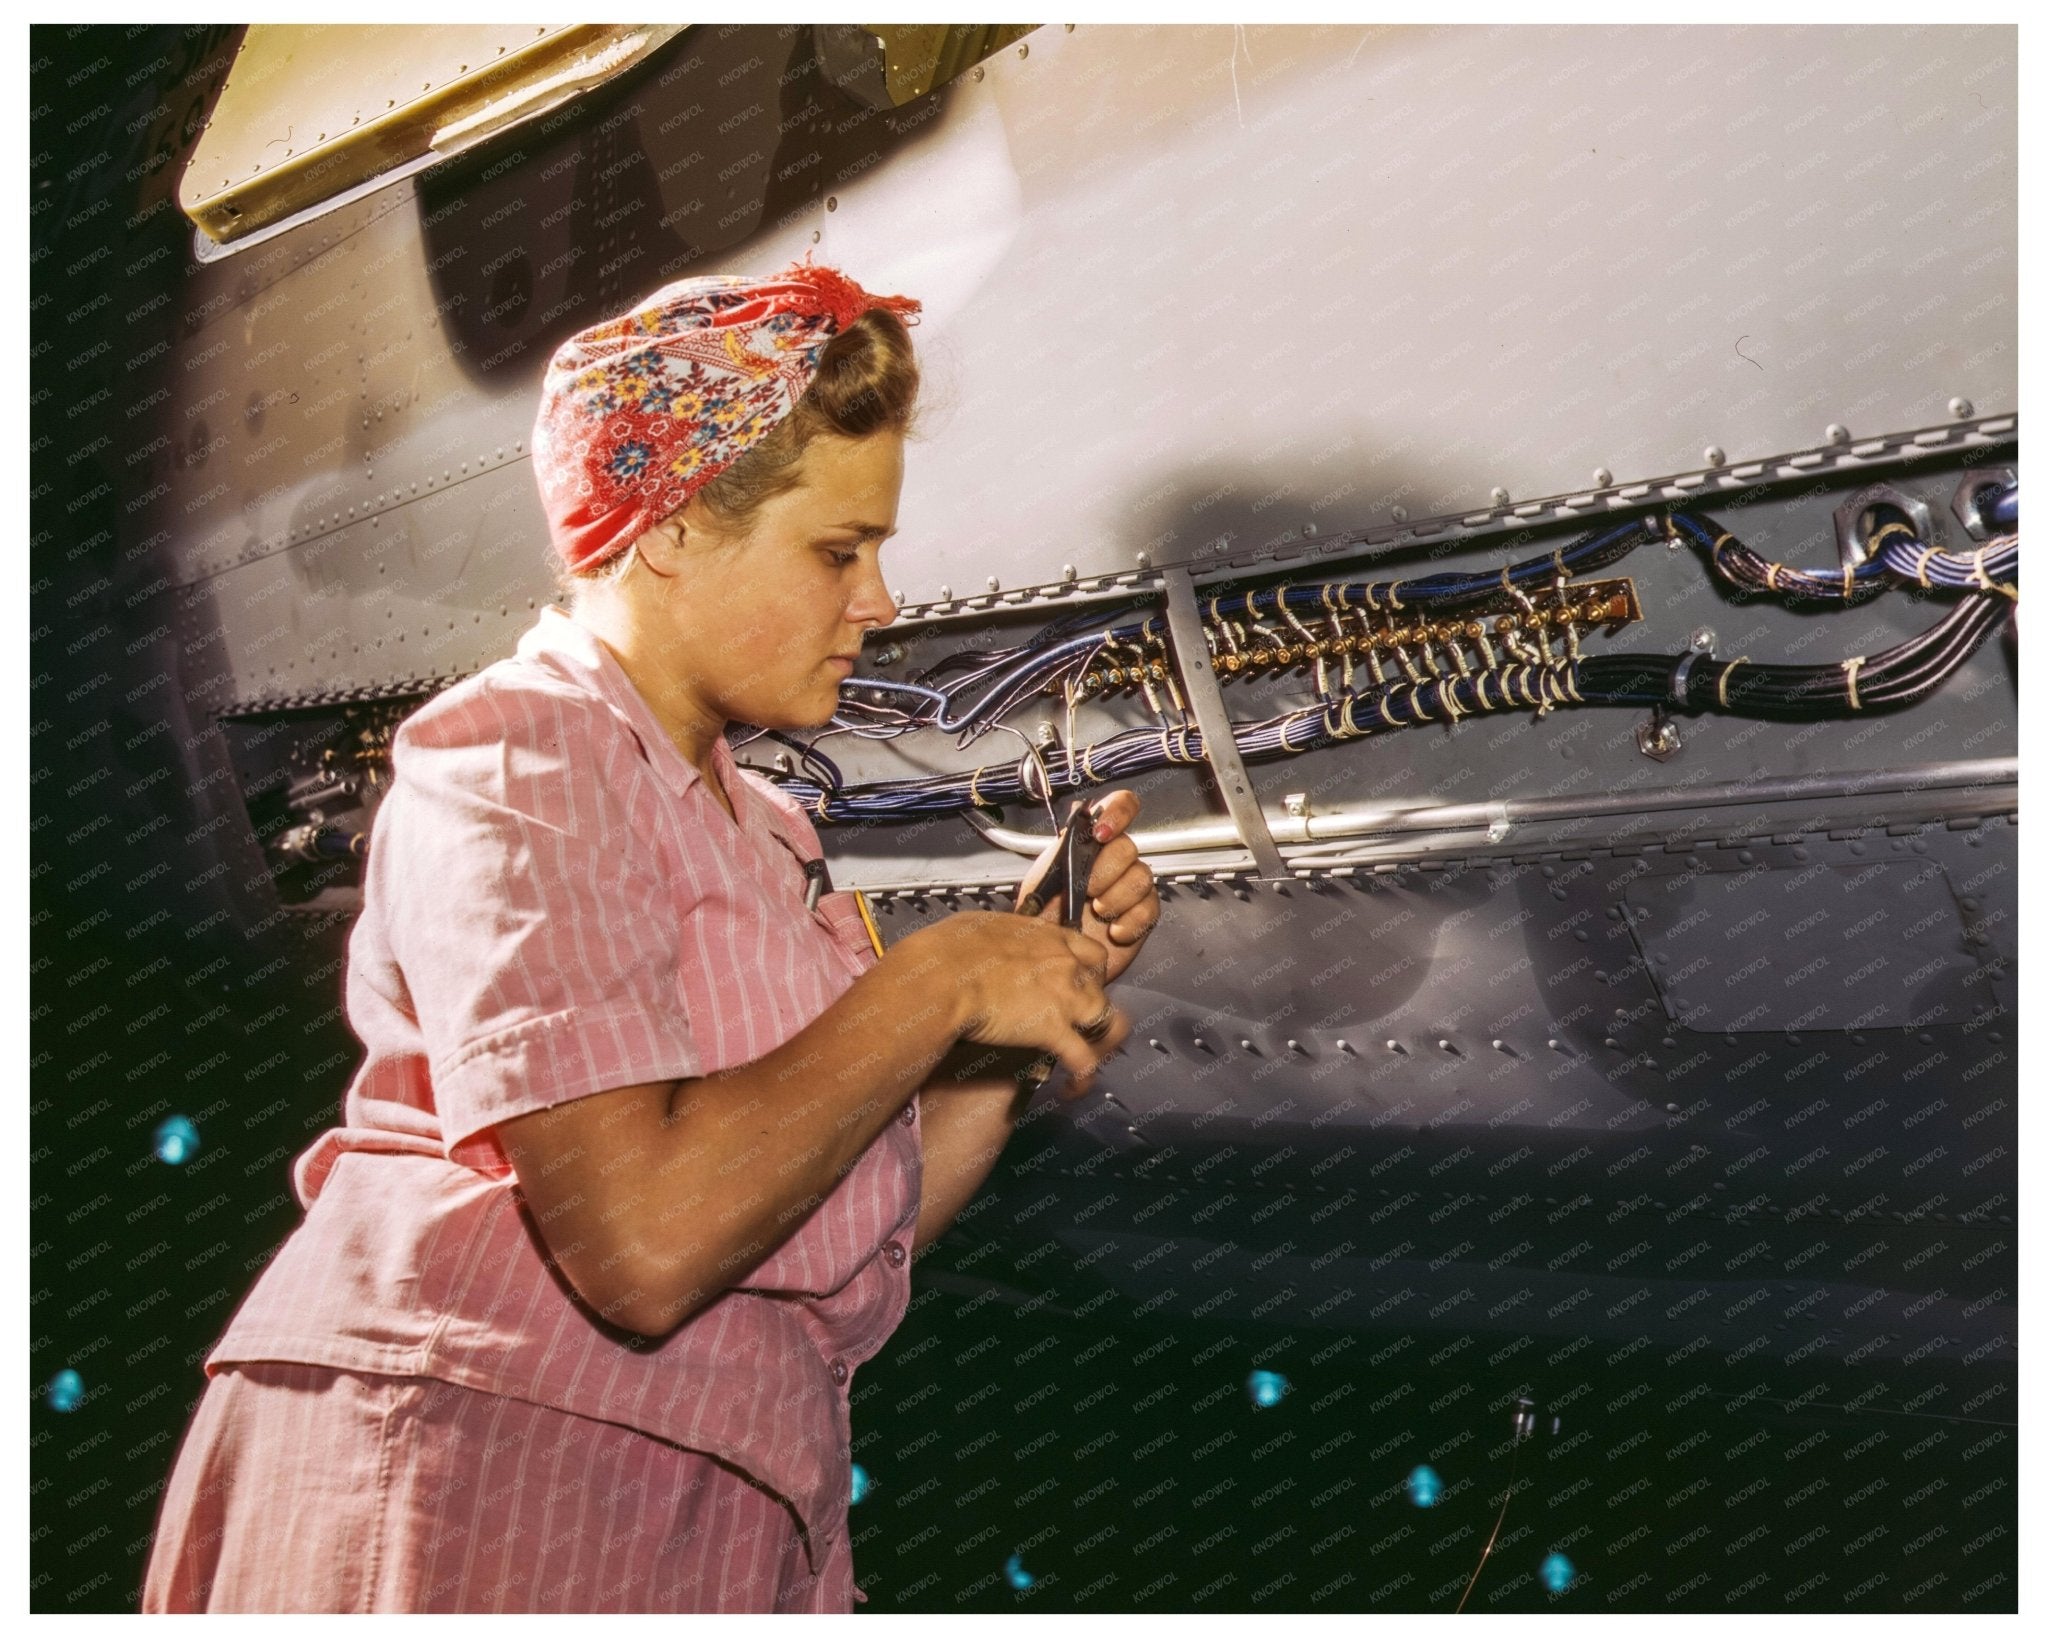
x,y
996,682
1888,680
1896,554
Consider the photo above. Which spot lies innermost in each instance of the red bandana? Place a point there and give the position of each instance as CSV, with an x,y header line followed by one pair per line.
x,y
640,412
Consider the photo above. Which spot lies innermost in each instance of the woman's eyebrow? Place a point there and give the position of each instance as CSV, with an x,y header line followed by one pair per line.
x,y
863,529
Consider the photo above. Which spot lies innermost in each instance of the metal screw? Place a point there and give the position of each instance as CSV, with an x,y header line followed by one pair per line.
x,y
1400,514
1295,803
945,594
1961,408
1500,496
1702,640
1144,560
1658,739
1716,456
1602,477
889,653
1837,433
1068,572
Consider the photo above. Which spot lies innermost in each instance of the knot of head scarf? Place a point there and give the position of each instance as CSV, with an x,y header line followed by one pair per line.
x,y
639,413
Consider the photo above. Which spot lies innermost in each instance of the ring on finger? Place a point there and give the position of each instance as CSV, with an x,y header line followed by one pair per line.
x,y
1098,1028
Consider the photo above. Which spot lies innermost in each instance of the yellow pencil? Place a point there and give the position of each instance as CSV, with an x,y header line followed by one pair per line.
x,y
867,918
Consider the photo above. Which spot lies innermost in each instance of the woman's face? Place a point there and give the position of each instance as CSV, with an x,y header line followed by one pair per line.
x,y
764,619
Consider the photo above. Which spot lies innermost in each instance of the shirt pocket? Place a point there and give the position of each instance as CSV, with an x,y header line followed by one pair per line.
x,y
839,913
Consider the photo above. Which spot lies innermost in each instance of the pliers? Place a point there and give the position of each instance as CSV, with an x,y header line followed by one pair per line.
x,y
1067,869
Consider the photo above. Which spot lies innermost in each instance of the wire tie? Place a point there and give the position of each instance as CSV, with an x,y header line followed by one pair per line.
x,y
1726,674
1851,667
1977,567
1926,557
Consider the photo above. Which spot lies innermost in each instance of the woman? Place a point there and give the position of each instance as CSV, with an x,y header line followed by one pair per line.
x,y
628,1183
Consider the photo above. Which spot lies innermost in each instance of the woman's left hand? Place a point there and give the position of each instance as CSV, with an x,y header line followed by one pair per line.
x,y
1123,904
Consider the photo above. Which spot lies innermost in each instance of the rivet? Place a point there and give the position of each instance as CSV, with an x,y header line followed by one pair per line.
x,y
1144,560
1500,496
1716,456
993,584
1961,408
1602,477
1837,433
1400,514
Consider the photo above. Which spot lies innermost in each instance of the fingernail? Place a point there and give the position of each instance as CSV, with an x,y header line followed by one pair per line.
x,y
1102,832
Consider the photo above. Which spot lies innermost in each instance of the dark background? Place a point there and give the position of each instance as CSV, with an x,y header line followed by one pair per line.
x,y
1019,1409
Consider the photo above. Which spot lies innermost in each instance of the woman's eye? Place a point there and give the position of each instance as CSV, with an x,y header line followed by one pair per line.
x,y
844,558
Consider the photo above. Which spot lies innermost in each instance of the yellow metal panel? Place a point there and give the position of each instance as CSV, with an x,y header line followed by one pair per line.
x,y
310,111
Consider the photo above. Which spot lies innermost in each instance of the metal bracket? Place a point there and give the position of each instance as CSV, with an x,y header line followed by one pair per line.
x,y
1219,746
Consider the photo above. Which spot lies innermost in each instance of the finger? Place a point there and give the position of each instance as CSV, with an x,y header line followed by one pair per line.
x,y
1125,893
1114,813
1079,1058
1086,950
1113,862
1135,927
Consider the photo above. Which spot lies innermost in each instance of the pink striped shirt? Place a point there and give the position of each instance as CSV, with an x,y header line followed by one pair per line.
x,y
555,906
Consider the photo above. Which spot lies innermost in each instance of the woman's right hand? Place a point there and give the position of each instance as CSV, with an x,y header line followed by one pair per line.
x,y
1018,981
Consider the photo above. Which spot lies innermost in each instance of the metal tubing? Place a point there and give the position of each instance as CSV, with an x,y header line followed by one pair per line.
x,y
1496,817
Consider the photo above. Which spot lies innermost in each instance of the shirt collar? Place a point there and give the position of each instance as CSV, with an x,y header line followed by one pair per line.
x,y
559,643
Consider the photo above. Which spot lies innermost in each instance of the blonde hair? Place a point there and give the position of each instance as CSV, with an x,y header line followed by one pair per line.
x,y
866,382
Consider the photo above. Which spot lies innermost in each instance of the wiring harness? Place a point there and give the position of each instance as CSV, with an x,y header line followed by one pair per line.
x,y
1392,654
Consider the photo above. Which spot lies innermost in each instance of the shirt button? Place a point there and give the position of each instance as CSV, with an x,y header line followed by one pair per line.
x,y
839,1370
894,1253
909,1116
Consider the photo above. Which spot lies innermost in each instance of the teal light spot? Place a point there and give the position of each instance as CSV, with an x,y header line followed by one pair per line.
x,y
1558,1573
1424,1486
66,1388
861,1484
1267,1388
1020,1578
177,1140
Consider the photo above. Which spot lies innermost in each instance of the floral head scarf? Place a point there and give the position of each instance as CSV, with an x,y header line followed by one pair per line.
x,y
640,412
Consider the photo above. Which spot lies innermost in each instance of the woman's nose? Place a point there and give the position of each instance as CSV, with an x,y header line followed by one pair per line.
x,y
872,600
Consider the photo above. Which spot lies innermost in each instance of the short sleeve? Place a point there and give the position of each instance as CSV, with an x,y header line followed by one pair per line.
x,y
526,907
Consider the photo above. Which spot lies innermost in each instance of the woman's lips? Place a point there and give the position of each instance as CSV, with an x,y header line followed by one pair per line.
x,y
843,662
